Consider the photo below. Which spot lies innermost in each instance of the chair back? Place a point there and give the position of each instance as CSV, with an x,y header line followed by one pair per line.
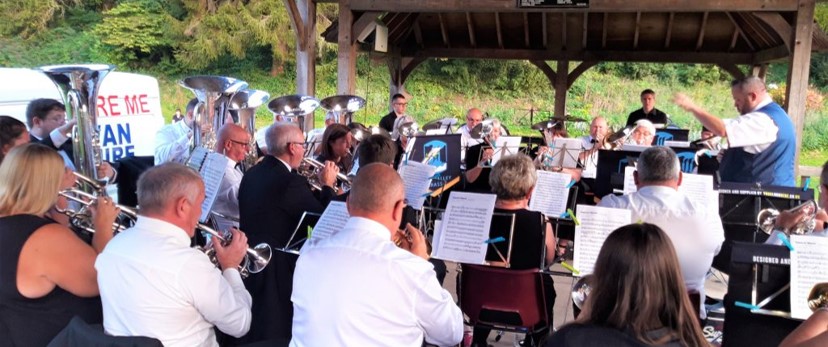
x,y
501,297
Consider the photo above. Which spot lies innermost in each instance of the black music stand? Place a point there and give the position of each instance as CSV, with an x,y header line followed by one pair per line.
x,y
740,203
609,175
760,276
669,134
300,234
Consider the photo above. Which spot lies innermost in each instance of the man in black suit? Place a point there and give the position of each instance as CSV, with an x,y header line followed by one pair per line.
x,y
272,199
47,123
398,103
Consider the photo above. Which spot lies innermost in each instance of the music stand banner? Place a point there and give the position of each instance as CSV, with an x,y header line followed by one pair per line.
x,y
445,158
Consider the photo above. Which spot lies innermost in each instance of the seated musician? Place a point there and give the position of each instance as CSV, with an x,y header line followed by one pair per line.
x,y
272,199
153,284
336,147
788,220
47,273
478,159
357,288
172,141
643,133
545,160
695,230
234,142
512,179
13,133
637,296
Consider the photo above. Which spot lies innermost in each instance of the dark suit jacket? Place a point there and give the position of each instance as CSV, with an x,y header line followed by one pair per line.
x,y
387,122
66,147
271,202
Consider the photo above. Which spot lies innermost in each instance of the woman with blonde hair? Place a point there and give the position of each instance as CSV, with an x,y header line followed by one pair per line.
x,y
47,273
638,296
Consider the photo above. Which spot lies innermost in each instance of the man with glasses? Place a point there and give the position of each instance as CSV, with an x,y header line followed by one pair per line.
x,y
272,200
473,117
398,104
234,143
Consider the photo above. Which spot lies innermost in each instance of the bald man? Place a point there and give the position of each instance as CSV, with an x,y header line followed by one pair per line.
x,y
592,143
357,288
234,143
473,117
762,140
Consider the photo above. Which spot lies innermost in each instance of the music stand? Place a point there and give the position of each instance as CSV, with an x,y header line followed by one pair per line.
x,y
610,169
495,253
668,134
306,222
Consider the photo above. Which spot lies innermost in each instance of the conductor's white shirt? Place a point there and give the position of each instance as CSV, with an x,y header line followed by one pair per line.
x,y
153,284
227,198
754,131
696,234
356,288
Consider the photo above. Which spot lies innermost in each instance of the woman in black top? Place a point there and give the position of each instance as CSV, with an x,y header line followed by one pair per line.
x,y
533,242
47,273
638,296
336,147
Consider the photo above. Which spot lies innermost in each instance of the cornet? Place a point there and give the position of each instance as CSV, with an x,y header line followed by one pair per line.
x,y
310,169
766,219
818,298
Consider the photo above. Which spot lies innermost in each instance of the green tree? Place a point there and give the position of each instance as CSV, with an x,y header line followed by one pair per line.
x,y
26,18
138,31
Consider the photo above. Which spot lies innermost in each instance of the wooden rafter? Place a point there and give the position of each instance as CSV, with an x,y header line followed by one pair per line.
x,y
364,22
585,32
547,70
563,30
779,24
470,24
637,29
296,22
404,29
499,33
733,39
700,40
733,70
669,29
458,6
399,27
418,34
578,71
756,30
526,29
443,30
544,30
604,33
741,32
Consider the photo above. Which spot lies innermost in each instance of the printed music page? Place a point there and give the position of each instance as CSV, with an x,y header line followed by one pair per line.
x,y
506,145
212,171
596,224
333,219
417,179
566,151
808,261
629,181
551,193
699,189
465,228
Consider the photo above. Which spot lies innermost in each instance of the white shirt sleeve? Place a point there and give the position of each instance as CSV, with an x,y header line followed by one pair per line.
x,y
220,297
58,138
754,132
438,315
172,143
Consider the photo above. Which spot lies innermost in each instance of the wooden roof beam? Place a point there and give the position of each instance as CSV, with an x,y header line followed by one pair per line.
x,y
741,32
563,31
669,30
779,24
733,70
526,29
734,39
418,34
459,6
545,30
499,33
637,28
578,71
700,40
296,22
604,30
443,30
585,32
758,31
366,21
470,24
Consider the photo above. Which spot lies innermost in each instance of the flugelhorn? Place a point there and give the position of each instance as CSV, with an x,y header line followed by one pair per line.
x,y
310,169
818,298
766,219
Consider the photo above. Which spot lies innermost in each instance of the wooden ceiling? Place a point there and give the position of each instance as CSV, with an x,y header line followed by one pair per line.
x,y
702,31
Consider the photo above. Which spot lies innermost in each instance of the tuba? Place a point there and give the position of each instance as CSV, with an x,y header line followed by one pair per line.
x,y
766,218
214,94
78,85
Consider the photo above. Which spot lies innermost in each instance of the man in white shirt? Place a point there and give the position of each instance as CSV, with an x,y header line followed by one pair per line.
x,y
591,144
172,141
761,142
153,284
696,233
357,288
473,117
234,143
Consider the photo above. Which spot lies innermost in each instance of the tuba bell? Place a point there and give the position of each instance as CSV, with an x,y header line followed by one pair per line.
x,y
213,94
581,290
78,85
818,298
766,219
244,103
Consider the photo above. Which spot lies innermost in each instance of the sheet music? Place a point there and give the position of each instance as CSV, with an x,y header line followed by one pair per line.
x,y
506,145
629,180
565,152
417,179
332,220
808,261
465,228
697,188
678,144
212,172
197,157
551,193
596,224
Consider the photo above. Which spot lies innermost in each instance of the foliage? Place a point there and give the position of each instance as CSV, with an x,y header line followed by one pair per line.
x,y
137,31
25,18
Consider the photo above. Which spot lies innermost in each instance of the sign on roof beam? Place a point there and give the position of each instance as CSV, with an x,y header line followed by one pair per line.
x,y
594,6
553,3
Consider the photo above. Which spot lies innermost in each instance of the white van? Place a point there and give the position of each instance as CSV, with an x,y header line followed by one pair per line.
x,y
128,110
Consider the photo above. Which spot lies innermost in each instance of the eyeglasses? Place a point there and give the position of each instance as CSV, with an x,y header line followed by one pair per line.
x,y
400,103
298,143
240,143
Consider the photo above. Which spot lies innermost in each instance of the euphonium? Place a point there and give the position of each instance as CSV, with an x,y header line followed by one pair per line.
x,y
78,85
310,169
244,103
213,94
766,218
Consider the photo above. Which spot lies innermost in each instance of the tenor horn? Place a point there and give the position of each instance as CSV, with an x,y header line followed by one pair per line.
x,y
766,219
78,85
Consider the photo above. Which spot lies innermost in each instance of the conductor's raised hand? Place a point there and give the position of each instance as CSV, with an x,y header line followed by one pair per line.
x,y
230,256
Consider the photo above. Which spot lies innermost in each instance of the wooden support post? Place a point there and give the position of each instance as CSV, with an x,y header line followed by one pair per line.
x,y
346,57
759,70
305,28
399,69
561,82
799,68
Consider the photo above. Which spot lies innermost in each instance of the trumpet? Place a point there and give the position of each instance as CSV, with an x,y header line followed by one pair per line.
x,y
255,260
310,168
766,219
